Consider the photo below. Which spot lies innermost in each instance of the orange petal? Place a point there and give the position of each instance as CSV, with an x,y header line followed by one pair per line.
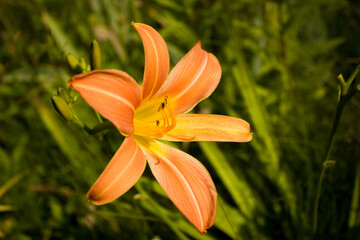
x,y
186,182
193,79
114,94
209,127
156,59
123,171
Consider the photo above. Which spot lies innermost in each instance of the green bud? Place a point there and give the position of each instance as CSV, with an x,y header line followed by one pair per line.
x,y
62,108
358,87
73,95
74,64
63,94
329,163
140,197
76,121
95,55
83,65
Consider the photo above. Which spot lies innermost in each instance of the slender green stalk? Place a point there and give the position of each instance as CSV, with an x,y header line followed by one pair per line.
x,y
354,216
335,125
347,92
326,165
99,128
352,78
341,104
315,218
329,147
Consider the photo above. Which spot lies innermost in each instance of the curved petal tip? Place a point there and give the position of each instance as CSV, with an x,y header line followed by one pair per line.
x,y
123,171
187,183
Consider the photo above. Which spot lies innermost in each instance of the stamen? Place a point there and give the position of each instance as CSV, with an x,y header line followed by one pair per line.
x,y
164,120
154,118
168,116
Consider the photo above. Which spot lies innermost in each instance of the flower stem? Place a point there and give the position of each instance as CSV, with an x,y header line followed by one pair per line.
x,y
335,125
347,92
99,128
354,216
326,165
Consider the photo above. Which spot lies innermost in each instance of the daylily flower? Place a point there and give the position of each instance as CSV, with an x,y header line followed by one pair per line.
x,y
156,110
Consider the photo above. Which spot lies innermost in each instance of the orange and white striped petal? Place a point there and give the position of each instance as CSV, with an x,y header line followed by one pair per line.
x,y
156,59
193,79
186,181
209,127
112,93
123,171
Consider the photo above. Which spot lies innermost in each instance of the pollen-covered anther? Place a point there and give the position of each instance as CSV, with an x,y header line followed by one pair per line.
x,y
154,118
168,117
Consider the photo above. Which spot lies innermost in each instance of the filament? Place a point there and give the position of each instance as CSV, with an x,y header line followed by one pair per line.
x,y
154,118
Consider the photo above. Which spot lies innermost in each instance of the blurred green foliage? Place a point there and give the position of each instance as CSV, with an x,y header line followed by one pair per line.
x,y
280,60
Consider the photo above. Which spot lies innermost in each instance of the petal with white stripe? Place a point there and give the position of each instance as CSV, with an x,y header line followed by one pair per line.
x,y
193,79
156,59
186,181
122,172
112,93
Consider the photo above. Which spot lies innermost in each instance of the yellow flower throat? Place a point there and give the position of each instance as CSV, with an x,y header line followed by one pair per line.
x,y
153,118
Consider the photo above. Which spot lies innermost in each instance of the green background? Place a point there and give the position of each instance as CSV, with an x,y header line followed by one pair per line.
x,y
280,62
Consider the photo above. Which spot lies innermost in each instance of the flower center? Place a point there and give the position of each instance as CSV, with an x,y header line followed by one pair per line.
x,y
154,118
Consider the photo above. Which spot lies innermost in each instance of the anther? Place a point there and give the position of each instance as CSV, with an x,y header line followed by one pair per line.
x,y
161,107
